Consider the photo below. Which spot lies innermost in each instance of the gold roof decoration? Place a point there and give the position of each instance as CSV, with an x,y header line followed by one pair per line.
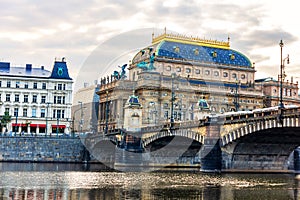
x,y
190,40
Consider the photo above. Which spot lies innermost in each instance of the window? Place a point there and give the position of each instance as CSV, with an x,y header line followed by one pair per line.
x,y
243,76
16,111
216,73
0,98
54,113
25,98
54,100
43,99
58,113
178,69
197,71
17,98
59,86
166,105
18,84
188,70
233,75
64,100
34,98
225,74
63,114
7,110
59,100
43,112
7,97
33,112
166,114
207,72
43,86
168,68
8,84
34,85
274,90
0,83
25,85
64,88
24,112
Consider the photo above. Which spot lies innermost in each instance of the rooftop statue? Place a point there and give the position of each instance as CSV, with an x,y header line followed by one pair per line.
x,y
147,66
120,75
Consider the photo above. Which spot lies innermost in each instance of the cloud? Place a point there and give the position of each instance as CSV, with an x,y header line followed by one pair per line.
x,y
38,32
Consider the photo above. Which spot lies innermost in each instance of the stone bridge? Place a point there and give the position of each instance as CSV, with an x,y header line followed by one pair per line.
x,y
260,140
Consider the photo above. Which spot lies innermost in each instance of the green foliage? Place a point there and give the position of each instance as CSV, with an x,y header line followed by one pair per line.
x,y
6,118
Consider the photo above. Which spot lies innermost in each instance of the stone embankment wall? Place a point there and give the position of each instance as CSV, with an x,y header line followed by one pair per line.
x,y
42,149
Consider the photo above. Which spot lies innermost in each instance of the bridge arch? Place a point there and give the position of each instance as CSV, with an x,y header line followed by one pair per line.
x,y
261,144
167,133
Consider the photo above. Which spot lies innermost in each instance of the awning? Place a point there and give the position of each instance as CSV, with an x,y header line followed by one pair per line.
x,y
59,126
38,125
23,125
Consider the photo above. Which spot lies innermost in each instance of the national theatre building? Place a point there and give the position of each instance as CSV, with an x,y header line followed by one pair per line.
x,y
179,78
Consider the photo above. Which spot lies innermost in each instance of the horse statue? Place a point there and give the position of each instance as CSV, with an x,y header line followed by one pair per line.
x,y
120,75
116,75
147,66
123,72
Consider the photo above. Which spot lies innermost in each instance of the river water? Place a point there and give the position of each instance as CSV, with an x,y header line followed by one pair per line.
x,y
52,181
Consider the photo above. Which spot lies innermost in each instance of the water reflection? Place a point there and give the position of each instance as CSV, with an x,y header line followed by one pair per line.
x,y
107,185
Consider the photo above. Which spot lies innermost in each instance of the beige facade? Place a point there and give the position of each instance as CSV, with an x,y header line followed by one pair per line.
x,y
271,91
85,109
173,74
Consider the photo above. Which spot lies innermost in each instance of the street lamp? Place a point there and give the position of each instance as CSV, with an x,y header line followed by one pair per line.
x,y
46,130
81,116
281,105
172,100
236,96
106,113
16,127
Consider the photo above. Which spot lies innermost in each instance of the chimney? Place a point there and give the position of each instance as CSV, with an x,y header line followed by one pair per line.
x,y
28,67
5,65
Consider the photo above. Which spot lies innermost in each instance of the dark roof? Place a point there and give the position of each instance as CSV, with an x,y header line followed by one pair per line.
x,y
23,72
60,71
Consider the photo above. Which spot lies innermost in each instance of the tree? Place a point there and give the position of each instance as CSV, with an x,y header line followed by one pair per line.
x,y
6,118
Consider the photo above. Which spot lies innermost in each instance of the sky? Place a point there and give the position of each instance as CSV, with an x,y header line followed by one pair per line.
x,y
83,30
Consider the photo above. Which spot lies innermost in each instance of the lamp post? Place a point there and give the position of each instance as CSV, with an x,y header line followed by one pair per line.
x,y
81,116
57,126
106,113
16,127
281,105
46,130
236,96
172,100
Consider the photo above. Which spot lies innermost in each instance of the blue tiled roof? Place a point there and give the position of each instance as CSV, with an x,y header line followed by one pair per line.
x,y
202,53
